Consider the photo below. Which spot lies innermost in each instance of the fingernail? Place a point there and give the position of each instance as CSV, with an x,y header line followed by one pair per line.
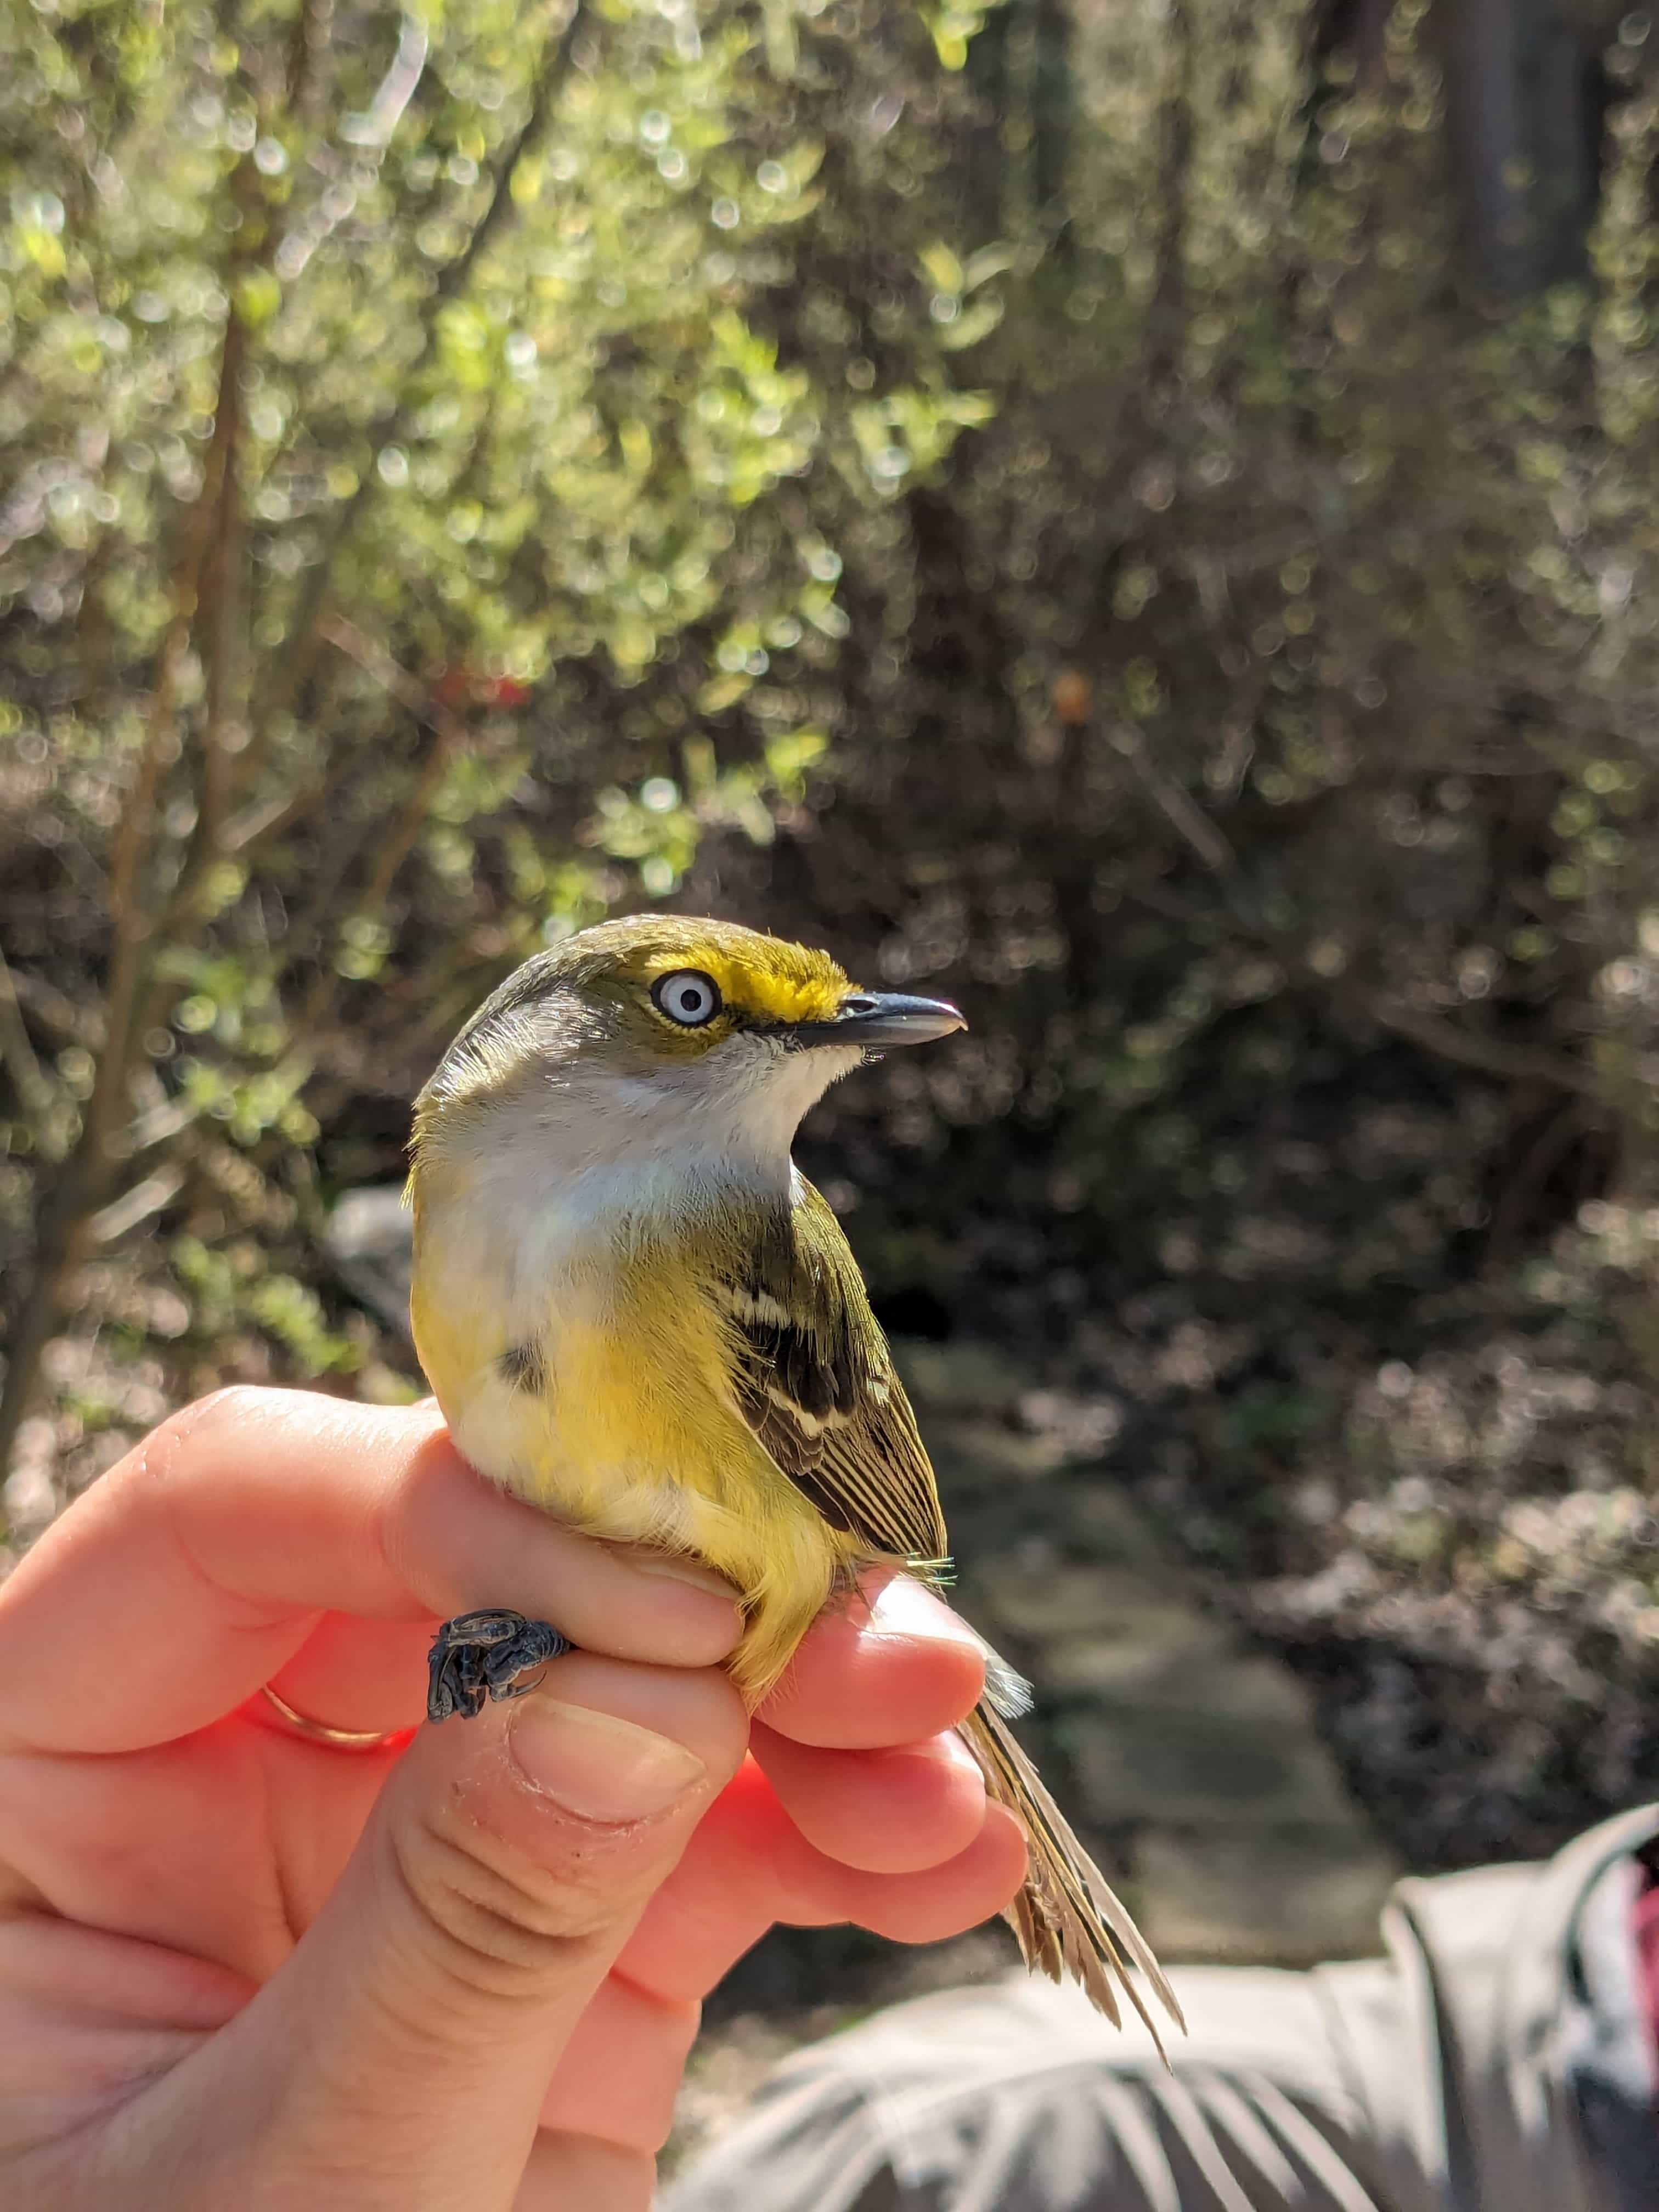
x,y
597,1766
938,1751
902,1607
950,1751
675,1570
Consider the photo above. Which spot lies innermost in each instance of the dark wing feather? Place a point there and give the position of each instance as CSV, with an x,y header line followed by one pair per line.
x,y
815,1382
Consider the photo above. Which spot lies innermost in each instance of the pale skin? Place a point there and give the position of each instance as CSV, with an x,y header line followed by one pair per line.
x,y
460,1973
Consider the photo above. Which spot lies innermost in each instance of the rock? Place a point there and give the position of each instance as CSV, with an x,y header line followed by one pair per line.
x,y
369,1240
1049,1602
1135,1657
1192,1756
1283,1895
1203,1764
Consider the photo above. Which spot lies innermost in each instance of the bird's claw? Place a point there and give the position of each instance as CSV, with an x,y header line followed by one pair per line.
x,y
482,1655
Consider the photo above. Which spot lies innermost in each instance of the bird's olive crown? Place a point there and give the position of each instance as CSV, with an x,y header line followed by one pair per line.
x,y
644,988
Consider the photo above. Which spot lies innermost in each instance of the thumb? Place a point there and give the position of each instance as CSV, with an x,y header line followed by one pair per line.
x,y
409,2040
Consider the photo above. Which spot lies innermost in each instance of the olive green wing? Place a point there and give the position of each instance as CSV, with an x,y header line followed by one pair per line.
x,y
815,1381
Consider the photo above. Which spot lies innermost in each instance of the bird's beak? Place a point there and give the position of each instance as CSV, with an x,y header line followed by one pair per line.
x,y
882,1018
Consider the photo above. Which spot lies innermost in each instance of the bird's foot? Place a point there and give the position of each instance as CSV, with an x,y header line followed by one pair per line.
x,y
480,1655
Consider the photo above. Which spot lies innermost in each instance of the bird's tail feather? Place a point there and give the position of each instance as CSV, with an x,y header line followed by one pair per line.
x,y
1066,1918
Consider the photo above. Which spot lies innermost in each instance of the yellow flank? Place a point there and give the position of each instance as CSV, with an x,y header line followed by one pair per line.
x,y
629,1437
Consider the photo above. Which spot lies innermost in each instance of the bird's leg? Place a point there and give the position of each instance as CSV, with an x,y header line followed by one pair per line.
x,y
480,1655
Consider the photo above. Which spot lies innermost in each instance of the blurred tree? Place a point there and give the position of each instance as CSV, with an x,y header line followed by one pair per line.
x,y
1287,643
461,473
1526,97
381,394
1268,755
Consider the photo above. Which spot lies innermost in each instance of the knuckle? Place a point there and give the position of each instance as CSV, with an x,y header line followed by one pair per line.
x,y
205,1422
227,1407
494,1923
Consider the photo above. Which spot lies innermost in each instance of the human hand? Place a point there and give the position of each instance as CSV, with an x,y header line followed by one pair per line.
x,y
459,1972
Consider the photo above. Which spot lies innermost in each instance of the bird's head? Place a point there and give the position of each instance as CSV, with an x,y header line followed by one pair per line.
x,y
654,1038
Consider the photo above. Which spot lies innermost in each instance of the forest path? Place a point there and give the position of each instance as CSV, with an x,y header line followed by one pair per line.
x,y
1190,1759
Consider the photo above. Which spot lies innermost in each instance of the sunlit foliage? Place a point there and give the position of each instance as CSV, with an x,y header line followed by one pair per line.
x,y
1039,497
383,395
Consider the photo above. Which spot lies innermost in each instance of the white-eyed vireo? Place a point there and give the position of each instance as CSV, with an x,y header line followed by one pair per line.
x,y
637,1314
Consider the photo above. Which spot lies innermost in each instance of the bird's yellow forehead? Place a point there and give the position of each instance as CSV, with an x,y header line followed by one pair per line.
x,y
769,981
760,979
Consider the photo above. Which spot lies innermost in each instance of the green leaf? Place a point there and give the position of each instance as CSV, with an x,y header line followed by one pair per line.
x,y
942,268
979,268
258,296
978,322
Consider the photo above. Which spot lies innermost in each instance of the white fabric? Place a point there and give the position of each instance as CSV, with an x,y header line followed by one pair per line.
x,y
1494,2060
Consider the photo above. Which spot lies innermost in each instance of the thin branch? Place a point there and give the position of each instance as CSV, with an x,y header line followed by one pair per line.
x,y
131,840
161,1123
395,421
375,661
1490,1056
202,593
1166,310
375,127
82,1185
132,837
1174,801
368,134
313,32
58,1012
35,1093
268,818
136,1205
222,607
448,735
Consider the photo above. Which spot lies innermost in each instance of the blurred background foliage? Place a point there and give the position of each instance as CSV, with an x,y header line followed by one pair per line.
x,y
1145,517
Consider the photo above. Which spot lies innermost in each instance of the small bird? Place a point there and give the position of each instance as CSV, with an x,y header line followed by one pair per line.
x,y
637,1314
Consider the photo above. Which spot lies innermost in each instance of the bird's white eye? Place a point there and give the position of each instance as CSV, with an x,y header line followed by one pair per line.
x,y
688,997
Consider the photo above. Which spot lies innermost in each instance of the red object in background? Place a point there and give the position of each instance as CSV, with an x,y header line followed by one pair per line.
x,y
458,685
503,691
1073,697
1647,1955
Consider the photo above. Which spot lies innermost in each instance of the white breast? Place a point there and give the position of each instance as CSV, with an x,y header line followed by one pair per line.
x,y
564,1171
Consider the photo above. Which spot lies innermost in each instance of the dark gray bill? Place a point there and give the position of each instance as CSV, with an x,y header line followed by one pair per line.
x,y
882,1018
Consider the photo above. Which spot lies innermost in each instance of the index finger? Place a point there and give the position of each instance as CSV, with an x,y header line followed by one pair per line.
x,y
200,1563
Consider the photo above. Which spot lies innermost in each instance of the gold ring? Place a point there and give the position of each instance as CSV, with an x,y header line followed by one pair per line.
x,y
311,1731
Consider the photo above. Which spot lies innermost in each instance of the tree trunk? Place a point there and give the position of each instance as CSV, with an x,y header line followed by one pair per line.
x,y
1523,103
